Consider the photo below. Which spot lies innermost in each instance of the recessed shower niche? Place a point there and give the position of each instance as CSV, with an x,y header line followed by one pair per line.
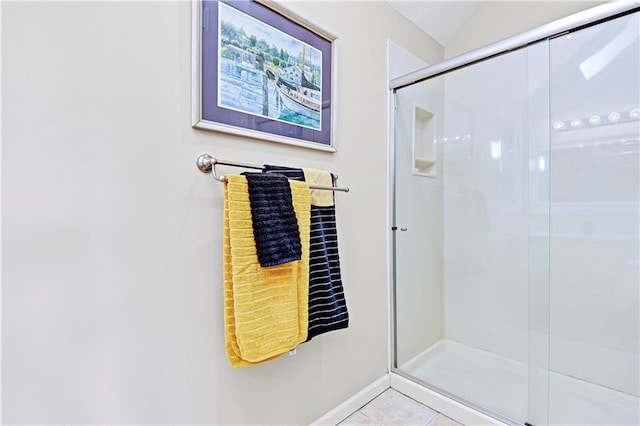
x,y
424,142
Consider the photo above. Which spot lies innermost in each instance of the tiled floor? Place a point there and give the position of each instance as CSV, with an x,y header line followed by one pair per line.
x,y
392,408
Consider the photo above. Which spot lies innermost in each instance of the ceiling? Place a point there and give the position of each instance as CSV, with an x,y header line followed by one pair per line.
x,y
440,19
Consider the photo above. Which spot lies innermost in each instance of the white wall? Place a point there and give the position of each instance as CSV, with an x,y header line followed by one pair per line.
x,y
111,239
491,21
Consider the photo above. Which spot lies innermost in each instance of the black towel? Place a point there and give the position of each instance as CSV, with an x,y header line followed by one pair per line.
x,y
327,304
275,226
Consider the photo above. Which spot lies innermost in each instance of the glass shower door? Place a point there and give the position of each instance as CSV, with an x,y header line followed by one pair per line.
x,y
594,251
517,230
462,243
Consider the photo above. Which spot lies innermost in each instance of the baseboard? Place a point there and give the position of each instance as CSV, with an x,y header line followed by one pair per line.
x,y
354,403
447,406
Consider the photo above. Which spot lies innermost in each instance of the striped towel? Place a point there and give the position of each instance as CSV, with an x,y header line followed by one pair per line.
x,y
327,303
265,309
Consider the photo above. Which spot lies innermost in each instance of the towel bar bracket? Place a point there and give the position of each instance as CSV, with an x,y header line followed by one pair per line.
x,y
207,164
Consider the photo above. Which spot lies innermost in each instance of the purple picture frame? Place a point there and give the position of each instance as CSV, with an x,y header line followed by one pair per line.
x,y
241,86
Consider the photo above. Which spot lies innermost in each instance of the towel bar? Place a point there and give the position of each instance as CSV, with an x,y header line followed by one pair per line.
x,y
207,164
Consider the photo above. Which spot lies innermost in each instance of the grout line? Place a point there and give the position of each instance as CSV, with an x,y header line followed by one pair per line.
x,y
373,420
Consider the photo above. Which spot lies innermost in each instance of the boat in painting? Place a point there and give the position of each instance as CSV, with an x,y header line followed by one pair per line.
x,y
297,93
300,99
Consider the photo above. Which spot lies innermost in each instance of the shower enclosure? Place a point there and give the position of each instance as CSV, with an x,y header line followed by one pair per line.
x,y
516,224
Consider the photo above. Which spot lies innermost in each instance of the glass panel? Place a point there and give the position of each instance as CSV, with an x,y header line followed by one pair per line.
x,y
595,132
462,265
419,267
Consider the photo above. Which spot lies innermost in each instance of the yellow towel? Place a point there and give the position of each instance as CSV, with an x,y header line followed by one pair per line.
x,y
319,197
266,309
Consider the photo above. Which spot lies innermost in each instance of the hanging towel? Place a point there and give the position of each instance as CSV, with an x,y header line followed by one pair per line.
x,y
327,304
290,172
265,309
319,197
275,227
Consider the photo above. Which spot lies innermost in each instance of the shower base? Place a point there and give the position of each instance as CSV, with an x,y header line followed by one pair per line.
x,y
500,384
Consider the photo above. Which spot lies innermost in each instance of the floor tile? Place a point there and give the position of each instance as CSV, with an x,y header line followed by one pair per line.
x,y
442,420
393,408
358,418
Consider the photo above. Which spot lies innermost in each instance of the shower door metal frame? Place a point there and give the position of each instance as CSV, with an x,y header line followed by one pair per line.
x,y
587,18
573,22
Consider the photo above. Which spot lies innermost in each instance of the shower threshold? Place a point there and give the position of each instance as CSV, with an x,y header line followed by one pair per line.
x,y
500,384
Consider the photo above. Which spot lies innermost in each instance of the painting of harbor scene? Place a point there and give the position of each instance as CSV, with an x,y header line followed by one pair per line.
x,y
265,72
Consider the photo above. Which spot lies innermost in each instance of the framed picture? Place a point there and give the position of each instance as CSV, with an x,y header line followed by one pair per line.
x,y
261,71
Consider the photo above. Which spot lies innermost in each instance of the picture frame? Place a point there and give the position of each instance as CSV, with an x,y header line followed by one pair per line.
x,y
261,71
